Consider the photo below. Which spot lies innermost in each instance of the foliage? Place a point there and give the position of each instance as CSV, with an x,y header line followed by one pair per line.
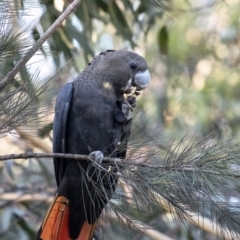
x,y
19,99
84,25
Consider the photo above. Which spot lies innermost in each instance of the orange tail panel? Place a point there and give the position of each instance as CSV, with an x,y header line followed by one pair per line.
x,y
55,224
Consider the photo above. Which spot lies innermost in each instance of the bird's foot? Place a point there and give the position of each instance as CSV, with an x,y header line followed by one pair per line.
x,y
98,156
132,101
126,110
127,106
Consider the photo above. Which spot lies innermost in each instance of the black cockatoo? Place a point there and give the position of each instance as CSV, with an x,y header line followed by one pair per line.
x,y
92,118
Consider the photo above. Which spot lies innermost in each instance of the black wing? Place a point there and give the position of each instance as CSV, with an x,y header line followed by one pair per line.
x,y
59,129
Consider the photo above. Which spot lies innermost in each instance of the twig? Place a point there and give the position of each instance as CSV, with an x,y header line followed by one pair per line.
x,y
59,155
29,197
10,76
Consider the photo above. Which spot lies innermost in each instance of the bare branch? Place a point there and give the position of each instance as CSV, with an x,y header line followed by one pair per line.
x,y
28,197
185,168
10,76
60,155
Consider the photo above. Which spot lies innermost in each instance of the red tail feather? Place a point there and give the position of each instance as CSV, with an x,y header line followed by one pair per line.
x,y
55,224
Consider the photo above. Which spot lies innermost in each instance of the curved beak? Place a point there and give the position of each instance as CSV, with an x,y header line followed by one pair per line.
x,y
141,80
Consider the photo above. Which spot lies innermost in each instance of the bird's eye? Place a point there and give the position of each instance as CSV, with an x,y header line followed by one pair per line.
x,y
133,65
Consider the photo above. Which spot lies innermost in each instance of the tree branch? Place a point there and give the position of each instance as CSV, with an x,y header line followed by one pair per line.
x,y
10,76
60,155
27,197
186,168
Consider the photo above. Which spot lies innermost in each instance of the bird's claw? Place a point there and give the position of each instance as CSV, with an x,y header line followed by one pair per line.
x,y
132,101
127,106
126,111
98,156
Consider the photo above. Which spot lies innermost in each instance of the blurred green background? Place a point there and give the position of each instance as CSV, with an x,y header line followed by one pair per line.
x,y
192,49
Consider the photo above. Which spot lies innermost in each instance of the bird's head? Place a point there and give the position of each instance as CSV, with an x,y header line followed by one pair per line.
x,y
121,71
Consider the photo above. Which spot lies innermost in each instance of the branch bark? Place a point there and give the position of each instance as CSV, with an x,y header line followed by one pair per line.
x,y
10,76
